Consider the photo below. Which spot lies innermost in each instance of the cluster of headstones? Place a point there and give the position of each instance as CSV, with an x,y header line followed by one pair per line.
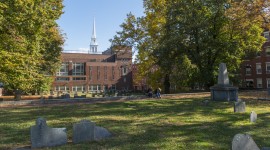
x,y
240,107
245,142
44,136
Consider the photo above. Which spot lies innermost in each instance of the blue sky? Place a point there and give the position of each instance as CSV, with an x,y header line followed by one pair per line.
x,y
77,21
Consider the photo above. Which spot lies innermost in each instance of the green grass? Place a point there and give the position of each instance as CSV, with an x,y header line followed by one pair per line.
x,y
146,124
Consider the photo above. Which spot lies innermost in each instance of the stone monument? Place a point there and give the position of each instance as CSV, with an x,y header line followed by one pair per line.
x,y
44,136
223,91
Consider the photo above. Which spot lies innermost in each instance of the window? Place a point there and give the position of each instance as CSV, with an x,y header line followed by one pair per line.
x,y
259,82
78,69
62,79
78,88
94,88
268,82
267,50
258,68
124,70
113,87
78,78
90,73
267,67
266,35
249,83
63,71
248,69
61,88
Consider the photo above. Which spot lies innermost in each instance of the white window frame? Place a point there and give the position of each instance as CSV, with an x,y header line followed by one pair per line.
x,y
78,69
267,64
268,82
75,88
258,68
63,70
248,70
259,82
267,51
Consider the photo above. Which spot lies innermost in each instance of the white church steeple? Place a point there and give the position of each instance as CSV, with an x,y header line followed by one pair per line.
x,y
93,43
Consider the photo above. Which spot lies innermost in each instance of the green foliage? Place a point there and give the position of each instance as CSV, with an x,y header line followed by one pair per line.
x,y
30,43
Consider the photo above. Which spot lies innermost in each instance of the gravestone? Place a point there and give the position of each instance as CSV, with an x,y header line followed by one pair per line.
x,y
243,142
253,116
223,91
87,131
240,107
83,131
44,136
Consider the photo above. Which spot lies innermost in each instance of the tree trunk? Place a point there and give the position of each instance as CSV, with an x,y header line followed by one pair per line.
x,y
167,84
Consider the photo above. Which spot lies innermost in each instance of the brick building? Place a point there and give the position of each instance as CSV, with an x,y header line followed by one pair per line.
x,y
95,72
255,73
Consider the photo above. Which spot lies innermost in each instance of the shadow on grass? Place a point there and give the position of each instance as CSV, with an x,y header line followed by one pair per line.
x,y
147,124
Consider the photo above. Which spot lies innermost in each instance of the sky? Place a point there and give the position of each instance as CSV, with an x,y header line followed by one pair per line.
x,y
77,21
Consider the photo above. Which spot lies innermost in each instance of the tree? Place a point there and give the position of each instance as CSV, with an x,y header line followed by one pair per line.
x,y
30,42
210,32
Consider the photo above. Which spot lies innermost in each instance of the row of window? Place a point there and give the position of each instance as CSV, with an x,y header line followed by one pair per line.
x,y
81,88
259,81
258,68
78,69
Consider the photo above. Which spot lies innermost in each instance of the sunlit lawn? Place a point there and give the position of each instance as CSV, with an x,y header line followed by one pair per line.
x,y
144,124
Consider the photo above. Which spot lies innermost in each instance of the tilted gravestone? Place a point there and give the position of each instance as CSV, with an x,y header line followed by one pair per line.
x,y
223,91
87,131
240,106
44,136
253,116
243,142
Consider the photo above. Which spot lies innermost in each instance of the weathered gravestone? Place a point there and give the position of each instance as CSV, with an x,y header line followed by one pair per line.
x,y
223,91
83,131
243,142
87,131
44,136
240,106
253,116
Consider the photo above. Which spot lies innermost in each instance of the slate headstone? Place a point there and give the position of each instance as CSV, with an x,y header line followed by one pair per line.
x,y
86,130
253,116
240,106
83,131
44,136
243,142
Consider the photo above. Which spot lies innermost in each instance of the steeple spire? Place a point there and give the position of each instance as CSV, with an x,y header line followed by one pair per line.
x,y
93,44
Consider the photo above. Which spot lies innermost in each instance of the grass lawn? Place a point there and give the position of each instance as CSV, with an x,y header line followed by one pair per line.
x,y
172,123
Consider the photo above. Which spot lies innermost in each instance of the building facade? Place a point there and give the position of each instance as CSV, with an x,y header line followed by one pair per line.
x,y
95,72
255,73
